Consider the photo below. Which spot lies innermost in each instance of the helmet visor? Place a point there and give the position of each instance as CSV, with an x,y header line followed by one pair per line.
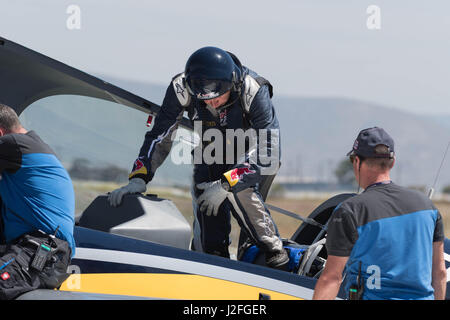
x,y
204,89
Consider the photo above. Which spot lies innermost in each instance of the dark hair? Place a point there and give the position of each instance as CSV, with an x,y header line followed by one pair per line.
x,y
8,118
383,163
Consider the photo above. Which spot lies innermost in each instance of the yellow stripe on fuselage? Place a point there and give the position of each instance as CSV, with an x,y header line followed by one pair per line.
x,y
166,286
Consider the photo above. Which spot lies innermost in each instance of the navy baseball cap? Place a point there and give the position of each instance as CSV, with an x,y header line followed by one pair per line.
x,y
368,139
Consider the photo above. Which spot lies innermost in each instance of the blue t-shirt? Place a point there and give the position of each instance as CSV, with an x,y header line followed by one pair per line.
x,y
35,189
390,230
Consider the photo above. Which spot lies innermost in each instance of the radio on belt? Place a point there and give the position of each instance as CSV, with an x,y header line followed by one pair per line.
x,y
356,290
44,251
42,255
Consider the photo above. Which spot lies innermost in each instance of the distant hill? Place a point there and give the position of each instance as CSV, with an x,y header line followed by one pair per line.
x,y
442,119
316,133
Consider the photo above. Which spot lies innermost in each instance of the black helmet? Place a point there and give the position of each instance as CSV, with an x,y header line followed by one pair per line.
x,y
210,72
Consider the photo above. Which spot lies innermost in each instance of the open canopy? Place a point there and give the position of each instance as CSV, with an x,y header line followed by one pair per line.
x,y
27,76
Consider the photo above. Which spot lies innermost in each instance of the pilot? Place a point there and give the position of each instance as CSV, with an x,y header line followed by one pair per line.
x,y
388,239
37,211
220,96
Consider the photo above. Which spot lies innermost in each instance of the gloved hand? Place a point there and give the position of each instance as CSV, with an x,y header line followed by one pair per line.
x,y
136,185
212,197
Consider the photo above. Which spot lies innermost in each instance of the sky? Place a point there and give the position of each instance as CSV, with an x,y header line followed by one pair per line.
x,y
320,48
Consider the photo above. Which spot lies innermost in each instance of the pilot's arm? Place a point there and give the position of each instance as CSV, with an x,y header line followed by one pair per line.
x,y
154,150
263,156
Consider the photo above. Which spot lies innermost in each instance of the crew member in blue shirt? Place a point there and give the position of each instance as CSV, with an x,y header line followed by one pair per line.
x,y
37,211
388,241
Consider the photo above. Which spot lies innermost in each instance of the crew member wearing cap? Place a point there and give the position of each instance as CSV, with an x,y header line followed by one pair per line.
x,y
387,240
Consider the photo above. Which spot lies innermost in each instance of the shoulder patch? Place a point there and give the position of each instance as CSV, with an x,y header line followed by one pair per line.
x,y
251,87
180,90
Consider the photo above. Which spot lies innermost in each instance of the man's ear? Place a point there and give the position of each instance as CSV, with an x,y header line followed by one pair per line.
x,y
2,132
357,161
393,163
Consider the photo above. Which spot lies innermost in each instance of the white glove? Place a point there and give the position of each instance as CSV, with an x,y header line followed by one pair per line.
x,y
136,185
212,197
